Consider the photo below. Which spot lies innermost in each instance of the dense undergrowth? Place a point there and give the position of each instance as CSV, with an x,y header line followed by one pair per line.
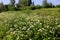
x,y
40,24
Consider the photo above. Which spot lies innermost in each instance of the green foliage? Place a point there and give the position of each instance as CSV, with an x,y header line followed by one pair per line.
x,y
50,5
1,7
57,6
24,3
29,2
5,7
12,2
45,4
35,7
11,8
40,24
30,8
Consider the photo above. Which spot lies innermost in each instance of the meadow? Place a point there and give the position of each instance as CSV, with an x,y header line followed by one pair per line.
x,y
39,24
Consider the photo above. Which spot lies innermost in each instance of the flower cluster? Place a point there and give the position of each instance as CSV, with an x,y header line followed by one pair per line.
x,y
21,26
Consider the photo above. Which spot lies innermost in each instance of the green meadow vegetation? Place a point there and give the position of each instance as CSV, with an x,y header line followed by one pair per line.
x,y
27,21
39,24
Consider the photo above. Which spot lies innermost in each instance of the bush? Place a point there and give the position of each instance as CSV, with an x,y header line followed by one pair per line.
x,y
5,7
58,6
35,7
11,8
29,8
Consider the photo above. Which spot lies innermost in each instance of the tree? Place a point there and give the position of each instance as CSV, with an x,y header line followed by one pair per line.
x,y
50,5
58,6
12,2
24,3
45,4
33,3
5,7
11,6
29,2
1,7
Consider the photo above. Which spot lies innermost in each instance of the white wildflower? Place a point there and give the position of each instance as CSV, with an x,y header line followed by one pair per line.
x,y
48,37
22,34
51,32
11,32
58,26
47,26
43,29
24,28
31,26
34,23
28,29
30,39
17,38
56,19
27,18
50,27
36,20
11,29
15,25
40,23
14,32
40,30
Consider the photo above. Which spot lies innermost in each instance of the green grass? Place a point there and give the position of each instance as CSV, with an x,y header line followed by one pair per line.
x,y
39,24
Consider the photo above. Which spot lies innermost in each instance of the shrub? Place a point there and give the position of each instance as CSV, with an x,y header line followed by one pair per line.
x,y
58,6
35,7
11,8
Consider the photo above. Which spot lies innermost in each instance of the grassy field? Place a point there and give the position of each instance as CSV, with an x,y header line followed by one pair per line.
x,y
39,24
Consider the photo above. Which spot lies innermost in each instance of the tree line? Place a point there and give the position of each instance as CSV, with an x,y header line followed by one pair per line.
x,y
25,3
